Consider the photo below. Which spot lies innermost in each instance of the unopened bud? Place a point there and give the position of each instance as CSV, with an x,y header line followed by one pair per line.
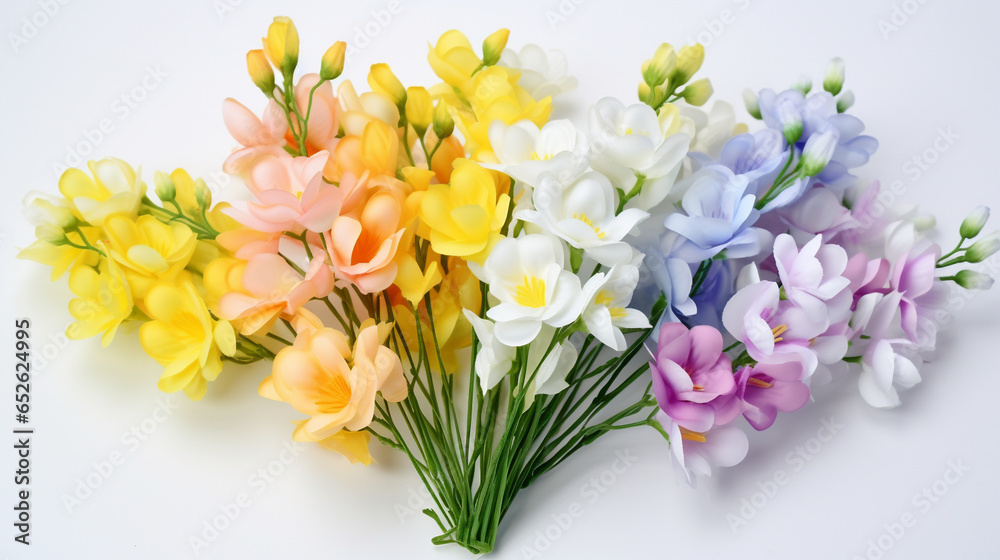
x,y
818,150
260,71
164,187
494,45
752,103
834,79
443,124
332,64
983,249
202,194
689,60
974,222
697,92
972,280
845,101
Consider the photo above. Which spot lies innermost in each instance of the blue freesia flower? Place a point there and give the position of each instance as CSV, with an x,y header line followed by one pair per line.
x,y
718,214
814,114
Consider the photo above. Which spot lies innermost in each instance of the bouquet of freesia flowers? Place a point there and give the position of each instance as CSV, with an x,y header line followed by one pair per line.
x,y
448,272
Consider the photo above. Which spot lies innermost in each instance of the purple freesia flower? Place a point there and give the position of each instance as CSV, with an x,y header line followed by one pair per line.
x,y
690,374
766,389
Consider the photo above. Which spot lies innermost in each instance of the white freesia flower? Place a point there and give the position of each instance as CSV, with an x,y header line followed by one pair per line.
x,y
712,128
606,312
494,360
697,453
630,141
525,152
543,73
41,209
583,214
527,275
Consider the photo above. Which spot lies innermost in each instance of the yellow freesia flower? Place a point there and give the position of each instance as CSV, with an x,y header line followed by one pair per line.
x,y
103,301
494,95
282,44
63,257
458,290
187,198
453,59
465,217
114,187
148,249
353,445
184,338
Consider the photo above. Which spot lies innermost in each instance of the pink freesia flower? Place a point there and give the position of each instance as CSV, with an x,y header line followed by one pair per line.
x,y
362,248
274,288
691,375
696,453
290,195
259,137
866,276
765,389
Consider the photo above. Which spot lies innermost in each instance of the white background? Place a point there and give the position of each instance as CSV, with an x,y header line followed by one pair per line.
x,y
933,71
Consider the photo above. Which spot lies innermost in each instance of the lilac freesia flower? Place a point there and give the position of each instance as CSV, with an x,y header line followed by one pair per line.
x,y
811,276
718,215
696,453
818,211
914,265
774,331
690,374
816,114
766,389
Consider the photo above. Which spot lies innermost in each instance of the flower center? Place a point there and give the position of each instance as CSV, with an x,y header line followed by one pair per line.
x,y
531,292
583,218
692,436
778,331
366,247
335,395
536,157
759,383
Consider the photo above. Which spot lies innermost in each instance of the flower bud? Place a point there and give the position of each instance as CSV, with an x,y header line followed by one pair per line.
x,y
974,222
332,64
644,93
845,101
983,249
444,125
791,121
656,70
493,46
752,103
382,80
689,60
818,150
834,79
202,194
43,210
51,234
803,84
164,187
972,280
282,44
419,110
697,92
260,71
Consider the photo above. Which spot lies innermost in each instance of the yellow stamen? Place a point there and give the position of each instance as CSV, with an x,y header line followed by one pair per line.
x,y
535,156
692,436
778,331
759,383
531,292
698,388
583,218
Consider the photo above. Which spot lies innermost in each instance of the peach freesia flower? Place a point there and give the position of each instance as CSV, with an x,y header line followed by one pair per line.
x,y
259,137
290,195
376,151
321,377
362,248
272,288
324,116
